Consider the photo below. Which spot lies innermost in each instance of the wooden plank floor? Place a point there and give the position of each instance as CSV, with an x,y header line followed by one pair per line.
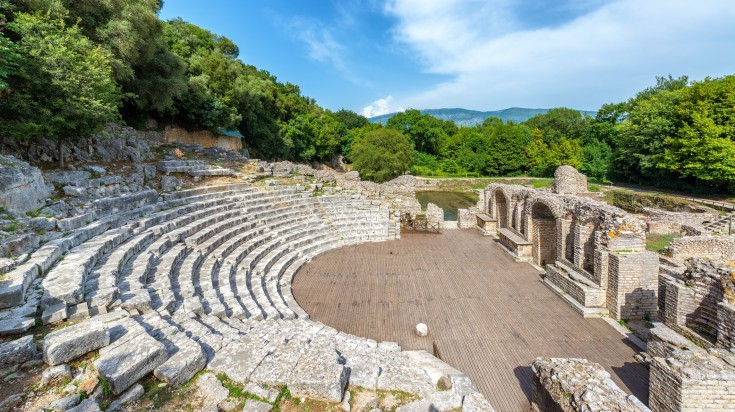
x,y
489,315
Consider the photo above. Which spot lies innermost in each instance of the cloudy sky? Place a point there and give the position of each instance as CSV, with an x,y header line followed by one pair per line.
x,y
380,56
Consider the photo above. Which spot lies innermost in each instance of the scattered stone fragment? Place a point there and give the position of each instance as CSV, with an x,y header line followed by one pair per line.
x,y
444,383
11,402
211,388
65,403
256,406
16,352
227,405
55,374
269,395
87,405
131,395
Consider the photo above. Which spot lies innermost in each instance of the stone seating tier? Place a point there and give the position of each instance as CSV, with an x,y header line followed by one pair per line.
x,y
202,280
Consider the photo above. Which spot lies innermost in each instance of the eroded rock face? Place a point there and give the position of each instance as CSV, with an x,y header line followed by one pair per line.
x,y
22,187
567,180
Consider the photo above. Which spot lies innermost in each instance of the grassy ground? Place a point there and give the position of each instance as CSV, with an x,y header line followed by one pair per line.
x,y
657,243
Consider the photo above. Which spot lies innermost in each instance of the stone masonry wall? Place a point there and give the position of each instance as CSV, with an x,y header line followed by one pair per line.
x,y
544,252
713,247
567,180
726,325
633,285
467,218
204,138
691,381
576,385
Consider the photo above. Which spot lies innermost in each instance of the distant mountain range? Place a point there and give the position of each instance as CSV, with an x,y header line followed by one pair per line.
x,y
464,117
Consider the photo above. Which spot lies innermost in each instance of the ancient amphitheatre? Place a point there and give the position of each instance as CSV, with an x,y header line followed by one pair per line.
x,y
266,276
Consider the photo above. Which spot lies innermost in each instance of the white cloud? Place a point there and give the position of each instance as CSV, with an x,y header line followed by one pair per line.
x,y
380,106
605,55
322,46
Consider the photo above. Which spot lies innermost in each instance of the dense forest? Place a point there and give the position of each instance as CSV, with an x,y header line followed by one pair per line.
x,y
69,67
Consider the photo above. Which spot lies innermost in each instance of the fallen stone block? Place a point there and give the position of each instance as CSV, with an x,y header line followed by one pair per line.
x,y
74,341
212,389
17,351
318,375
126,364
55,373
183,365
14,326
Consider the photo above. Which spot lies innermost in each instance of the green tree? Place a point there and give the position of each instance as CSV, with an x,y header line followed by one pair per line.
x,y
381,155
596,160
9,62
66,90
703,144
425,131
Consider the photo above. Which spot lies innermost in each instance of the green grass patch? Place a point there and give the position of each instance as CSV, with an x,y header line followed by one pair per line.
x,y
634,201
542,183
657,243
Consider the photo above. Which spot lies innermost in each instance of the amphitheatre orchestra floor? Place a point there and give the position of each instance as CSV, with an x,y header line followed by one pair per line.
x,y
488,315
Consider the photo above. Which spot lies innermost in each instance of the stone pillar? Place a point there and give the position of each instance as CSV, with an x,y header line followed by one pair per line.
x,y
632,285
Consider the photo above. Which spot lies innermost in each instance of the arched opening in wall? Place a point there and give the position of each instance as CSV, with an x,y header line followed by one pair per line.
x,y
501,209
544,234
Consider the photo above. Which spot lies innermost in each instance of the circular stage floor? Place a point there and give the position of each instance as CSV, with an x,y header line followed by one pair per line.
x,y
488,315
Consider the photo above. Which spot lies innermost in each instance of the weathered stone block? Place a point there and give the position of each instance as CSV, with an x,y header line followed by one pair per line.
x,y
17,351
74,341
126,364
22,187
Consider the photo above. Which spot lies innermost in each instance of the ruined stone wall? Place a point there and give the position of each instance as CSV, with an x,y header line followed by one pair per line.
x,y
726,325
467,218
203,138
633,285
703,278
434,214
567,180
670,223
544,252
576,385
713,247
691,381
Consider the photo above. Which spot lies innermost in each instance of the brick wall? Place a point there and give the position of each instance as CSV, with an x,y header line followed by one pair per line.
x,y
632,285
544,241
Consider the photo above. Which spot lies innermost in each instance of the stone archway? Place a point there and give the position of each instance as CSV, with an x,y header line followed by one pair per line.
x,y
544,234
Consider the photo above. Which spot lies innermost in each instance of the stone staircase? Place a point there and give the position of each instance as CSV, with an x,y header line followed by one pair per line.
x,y
722,225
201,279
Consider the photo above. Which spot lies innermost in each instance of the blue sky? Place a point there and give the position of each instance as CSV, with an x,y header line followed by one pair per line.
x,y
379,56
